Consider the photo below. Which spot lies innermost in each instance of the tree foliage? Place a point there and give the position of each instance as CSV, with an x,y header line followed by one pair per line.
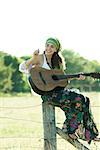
x,y
11,80
75,64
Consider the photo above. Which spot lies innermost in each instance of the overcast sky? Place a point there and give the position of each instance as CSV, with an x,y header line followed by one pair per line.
x,y
26,24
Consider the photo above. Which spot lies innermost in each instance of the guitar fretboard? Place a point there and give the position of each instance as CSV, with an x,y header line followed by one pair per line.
x,y
60,77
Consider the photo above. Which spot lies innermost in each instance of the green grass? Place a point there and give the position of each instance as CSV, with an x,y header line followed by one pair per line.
x,y
21,126
14,94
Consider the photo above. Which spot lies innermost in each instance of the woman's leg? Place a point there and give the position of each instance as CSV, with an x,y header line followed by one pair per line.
x,y
91,131
78,114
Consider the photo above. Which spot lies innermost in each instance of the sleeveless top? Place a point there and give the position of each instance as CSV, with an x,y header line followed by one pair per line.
x,y
23,68
45,65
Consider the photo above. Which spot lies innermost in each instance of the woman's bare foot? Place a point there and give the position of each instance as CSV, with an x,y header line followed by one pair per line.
x,y
73,136
97,139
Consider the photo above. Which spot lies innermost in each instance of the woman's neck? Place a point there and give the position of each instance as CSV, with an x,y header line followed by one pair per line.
x,y
48,57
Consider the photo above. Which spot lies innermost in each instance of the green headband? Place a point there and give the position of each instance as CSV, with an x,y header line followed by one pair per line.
x,y
54,42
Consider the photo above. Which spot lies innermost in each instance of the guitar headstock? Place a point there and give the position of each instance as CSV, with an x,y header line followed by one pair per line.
x,y
95,75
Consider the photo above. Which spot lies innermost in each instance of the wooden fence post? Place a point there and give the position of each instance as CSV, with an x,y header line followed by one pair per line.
x,y
50,130
49,126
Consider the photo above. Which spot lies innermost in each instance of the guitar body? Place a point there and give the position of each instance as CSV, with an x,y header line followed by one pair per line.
x,y
45,80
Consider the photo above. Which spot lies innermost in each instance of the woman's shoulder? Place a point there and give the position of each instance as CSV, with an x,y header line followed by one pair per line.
x,y
40,59
41,56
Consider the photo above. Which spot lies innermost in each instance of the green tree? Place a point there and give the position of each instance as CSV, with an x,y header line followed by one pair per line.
x,y
5,76
75,64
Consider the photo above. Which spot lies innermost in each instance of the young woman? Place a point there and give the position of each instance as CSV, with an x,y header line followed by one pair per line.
x,y
79,121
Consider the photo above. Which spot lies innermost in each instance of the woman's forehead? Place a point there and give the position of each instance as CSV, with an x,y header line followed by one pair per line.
x,y
49,44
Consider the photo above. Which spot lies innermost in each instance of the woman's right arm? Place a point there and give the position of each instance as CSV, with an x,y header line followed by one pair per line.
x,y
25,66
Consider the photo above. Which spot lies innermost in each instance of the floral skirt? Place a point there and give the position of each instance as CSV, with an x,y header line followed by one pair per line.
x,y
79,118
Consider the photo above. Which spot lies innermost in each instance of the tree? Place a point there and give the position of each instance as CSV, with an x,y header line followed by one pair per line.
x,y
75,64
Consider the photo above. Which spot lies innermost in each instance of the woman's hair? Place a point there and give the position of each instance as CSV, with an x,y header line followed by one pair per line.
x,y
55,42
57,61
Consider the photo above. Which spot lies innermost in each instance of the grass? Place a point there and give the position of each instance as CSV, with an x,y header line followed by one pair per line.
x,y
21,126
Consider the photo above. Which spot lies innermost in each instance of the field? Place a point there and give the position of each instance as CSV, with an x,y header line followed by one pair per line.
x,y
21,126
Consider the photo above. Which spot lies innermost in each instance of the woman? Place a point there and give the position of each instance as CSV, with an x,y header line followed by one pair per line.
x,y
79,121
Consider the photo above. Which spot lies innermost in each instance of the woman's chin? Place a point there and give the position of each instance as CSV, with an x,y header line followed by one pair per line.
x,y
49,53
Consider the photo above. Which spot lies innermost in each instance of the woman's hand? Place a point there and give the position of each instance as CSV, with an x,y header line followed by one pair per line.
x,y
36,58
81,77
36,53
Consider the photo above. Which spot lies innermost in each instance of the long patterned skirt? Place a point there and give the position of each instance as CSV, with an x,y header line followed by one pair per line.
x,y
77,111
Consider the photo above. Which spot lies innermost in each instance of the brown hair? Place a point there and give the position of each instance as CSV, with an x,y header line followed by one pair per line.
x,y
56,61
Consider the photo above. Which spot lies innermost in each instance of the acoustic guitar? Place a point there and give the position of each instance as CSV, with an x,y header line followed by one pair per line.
x,y
44,81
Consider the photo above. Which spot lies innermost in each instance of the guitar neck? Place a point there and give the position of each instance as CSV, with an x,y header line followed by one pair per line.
x,y
68,76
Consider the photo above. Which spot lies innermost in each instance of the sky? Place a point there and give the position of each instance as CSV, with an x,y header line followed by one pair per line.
x,y
26,24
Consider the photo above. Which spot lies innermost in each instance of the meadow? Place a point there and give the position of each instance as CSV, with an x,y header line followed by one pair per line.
x,y
21,126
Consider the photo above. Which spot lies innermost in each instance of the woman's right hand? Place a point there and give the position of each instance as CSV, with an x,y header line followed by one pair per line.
x,y
35,57
36,53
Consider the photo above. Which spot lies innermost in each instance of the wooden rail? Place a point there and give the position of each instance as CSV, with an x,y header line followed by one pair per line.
x,y
75,143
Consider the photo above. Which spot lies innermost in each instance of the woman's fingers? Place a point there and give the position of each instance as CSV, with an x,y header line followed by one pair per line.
x,y
36,52
81,77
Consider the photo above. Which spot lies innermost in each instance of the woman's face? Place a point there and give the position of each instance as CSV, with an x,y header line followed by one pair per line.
x,y
50,49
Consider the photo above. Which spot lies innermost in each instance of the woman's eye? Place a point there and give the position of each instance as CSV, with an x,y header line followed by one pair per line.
x,y
47,45
52,46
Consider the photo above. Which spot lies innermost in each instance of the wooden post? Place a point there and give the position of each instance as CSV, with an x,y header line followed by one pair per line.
x,y
50,130
49,126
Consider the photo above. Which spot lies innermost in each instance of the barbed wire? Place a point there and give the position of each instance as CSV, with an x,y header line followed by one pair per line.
x,y
40,122
3,137
10,147
21,119
50,144
22,137
27,107
24,107
3,117
40,148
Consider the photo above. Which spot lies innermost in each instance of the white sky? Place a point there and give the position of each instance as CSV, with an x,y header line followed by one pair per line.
x,y
26,24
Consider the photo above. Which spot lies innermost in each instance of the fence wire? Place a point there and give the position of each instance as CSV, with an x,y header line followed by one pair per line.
x,y
31,146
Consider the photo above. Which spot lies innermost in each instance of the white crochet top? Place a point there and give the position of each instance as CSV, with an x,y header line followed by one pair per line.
x,y
24,69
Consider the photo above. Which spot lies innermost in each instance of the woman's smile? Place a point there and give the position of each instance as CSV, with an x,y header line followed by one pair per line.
x,y
50,49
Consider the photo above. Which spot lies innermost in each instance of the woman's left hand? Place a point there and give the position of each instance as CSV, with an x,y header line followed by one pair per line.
x,y
81,77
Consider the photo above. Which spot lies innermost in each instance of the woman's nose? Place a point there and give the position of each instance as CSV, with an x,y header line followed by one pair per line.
x,y
49,47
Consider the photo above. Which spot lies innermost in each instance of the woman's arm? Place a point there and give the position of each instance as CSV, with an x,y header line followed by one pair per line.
x,y
25,66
